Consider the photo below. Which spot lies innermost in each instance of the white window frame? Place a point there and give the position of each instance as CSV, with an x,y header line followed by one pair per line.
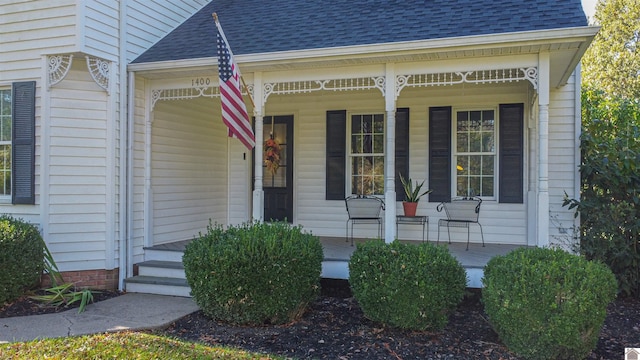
x,y
350,155
454,149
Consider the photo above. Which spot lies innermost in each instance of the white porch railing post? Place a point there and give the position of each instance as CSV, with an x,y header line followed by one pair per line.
x,y
543,150
258,112
390,156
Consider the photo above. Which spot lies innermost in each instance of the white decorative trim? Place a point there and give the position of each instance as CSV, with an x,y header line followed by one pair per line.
x,y
401,82
184,93
368,83
470,77
301,87
99,70
58,67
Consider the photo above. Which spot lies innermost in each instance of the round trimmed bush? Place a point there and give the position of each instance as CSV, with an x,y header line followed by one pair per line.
x,y
21,257
405,285
547,303
254,273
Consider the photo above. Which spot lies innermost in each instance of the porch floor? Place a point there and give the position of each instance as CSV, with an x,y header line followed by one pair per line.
x,y
338,249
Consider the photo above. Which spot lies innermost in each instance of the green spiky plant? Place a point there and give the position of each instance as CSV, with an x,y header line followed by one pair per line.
x,y
411,191
61,293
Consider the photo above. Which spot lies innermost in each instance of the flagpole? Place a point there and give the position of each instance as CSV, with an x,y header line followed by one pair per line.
x,y
215,18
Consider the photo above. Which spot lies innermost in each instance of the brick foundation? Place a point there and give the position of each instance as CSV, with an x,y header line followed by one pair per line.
x,y
93,279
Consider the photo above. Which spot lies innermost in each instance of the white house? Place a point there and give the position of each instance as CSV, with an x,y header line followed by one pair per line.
x,y
130,153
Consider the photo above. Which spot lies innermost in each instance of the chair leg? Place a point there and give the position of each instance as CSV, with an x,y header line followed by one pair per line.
x,y
448,232
352,233
481,234
346,236
438,241
468,232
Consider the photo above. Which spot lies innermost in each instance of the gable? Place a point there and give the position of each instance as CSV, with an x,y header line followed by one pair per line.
x,y
256,26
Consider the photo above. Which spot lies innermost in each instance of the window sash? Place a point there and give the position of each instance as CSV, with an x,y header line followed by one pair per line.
x,y
366,154
475,154
5,143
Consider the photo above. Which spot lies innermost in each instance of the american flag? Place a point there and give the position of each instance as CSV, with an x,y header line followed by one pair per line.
x,y
234,112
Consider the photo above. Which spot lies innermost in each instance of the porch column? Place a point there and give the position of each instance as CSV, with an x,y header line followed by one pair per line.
x,y
258,191
543,150
390,155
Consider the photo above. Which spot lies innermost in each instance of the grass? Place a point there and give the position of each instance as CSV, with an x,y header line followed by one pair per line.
x,y
120,345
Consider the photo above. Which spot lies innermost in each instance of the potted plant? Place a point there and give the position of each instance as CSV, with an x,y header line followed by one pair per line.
x,y
412,195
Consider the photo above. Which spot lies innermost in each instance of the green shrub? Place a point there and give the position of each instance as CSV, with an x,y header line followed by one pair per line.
x,y
21,257
546,303
406,286
254,273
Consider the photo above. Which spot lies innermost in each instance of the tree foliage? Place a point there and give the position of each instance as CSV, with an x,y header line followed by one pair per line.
x,y
610,196
612,63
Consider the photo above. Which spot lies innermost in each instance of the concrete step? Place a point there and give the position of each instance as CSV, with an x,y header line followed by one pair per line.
x,y
335,269
163,255
158,268
158,285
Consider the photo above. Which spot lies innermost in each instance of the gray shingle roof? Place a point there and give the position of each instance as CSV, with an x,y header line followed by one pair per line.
x,y
262,26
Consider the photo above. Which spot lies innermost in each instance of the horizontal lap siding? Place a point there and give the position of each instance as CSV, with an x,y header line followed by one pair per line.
x,y
189,169
78,172
149,20
239,178
101,32
31,28
562,158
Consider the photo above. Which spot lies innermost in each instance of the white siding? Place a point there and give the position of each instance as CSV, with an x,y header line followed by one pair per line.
x,y
240,185
77,168
101,28
30,29
562,160
149,20
188,170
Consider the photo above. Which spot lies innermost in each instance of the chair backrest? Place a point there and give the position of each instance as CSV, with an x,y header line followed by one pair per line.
x,y
364,207
462,209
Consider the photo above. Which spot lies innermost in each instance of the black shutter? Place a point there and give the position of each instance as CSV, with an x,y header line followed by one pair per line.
x,y
440,153
23,111
402,149
511,153
336,154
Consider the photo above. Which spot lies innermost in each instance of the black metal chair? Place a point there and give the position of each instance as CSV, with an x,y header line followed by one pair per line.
x,y
364,209
461,212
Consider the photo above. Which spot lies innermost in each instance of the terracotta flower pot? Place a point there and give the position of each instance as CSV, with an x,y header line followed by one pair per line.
x,y
409,208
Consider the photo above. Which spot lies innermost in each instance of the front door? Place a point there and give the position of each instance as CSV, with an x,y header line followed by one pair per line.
x,y
278,180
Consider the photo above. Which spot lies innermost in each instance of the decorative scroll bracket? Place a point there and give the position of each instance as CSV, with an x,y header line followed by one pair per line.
x,y
99,70
57,68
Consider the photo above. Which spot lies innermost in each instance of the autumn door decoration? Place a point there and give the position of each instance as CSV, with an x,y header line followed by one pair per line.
x,y
272,155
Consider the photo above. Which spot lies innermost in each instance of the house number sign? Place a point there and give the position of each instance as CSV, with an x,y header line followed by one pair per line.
x,y
199,82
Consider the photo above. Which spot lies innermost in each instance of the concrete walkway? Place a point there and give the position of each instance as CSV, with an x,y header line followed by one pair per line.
x,y
130,311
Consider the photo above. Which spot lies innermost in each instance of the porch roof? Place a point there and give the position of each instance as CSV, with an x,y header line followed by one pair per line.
x,y
262,27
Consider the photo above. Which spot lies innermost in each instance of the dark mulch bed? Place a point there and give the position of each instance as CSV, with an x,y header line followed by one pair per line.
x,y
25,306
335,328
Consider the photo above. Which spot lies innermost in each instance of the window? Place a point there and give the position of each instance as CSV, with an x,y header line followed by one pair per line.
x,y
359,167
5,143
475,153
465,158
367,154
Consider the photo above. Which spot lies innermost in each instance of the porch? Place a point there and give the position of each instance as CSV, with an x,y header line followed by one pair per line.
x,y
162,271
